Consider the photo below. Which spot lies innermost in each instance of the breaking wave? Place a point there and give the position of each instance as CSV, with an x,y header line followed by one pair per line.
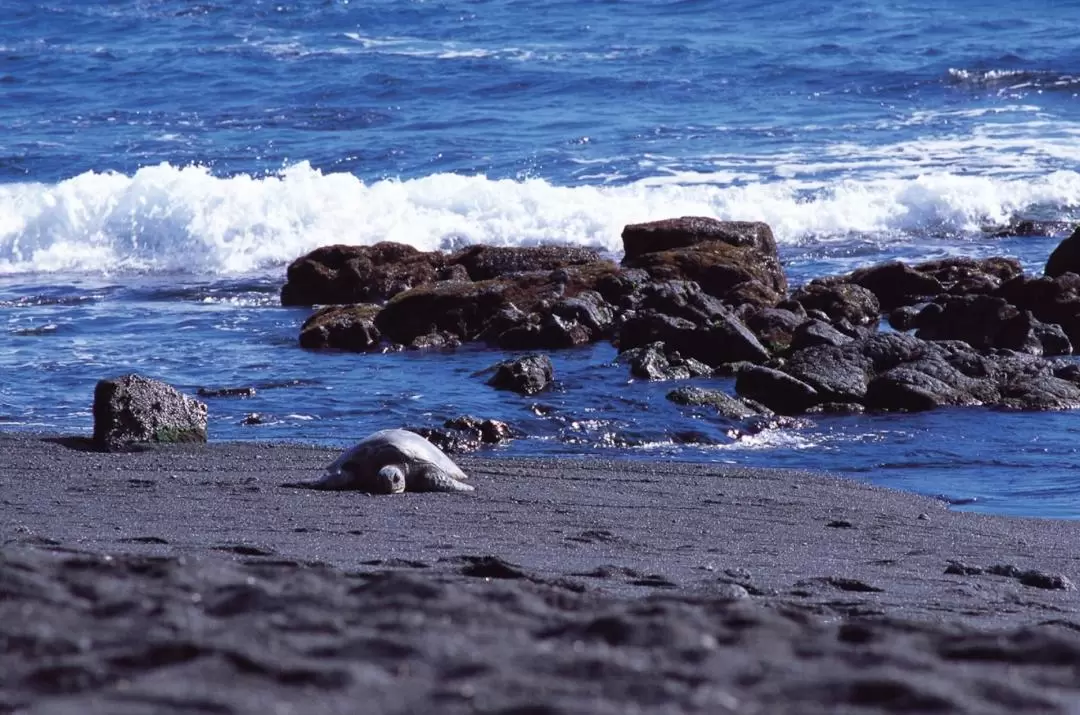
x,y
184,219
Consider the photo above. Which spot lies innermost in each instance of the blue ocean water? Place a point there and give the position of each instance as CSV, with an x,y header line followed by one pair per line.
x,y
161,161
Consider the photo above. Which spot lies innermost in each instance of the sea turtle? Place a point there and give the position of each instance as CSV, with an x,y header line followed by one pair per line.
x,y
391,461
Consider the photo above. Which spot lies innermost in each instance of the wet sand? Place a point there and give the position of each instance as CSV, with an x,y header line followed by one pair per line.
x,y
187,580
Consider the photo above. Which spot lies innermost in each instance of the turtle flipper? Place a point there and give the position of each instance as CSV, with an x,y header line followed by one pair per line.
x,y
434,479
332,481
388,480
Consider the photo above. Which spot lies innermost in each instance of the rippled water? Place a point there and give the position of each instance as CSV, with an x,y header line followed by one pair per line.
x,y
161,162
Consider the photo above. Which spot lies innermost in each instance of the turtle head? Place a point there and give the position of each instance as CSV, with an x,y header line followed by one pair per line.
x,y
390,480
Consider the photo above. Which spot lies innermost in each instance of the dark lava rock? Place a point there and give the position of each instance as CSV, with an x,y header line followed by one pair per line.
x,y
777,390
463,309
732,260
817,332
960,275
486,309
840,301
1050,300
986,322
588,309
774,327
907,389
837,408
342,327
654,362
487,431
1039,392
723,340
720,269
622,289
904,317
680,299
487,262
528,375
450,441
895,283
894,371
338,274
1066,257
548,331
133,409
1051,338
981,321
726,405
1050,581
467,434
654,236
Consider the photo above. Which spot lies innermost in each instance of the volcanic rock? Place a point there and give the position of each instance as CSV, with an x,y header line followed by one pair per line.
x,y
774,327
840,301
654,236
817,332
467,434
485,309
343,327
133,409
1066,257
1050,300
720,256
726,405
339,274
776,390
528,375
654,362
487,262
725,339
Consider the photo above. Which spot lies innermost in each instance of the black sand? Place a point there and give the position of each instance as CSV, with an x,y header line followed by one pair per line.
x,y
186,580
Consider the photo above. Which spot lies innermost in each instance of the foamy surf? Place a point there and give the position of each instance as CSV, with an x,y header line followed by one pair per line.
x,y
186,220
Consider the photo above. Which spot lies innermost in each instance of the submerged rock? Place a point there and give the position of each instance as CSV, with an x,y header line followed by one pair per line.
x,y
226,392
133,409
775,389
731,407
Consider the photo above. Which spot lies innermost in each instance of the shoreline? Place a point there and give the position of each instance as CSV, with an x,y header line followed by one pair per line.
x,y
156,499
559,585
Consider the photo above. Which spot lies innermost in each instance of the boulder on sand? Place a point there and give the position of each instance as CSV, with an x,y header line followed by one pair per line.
x,y
133,409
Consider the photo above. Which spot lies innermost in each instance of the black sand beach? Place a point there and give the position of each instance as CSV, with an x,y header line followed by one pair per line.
x,y
187,580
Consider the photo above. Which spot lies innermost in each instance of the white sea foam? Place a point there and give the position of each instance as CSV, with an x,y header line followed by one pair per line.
x,y
169,219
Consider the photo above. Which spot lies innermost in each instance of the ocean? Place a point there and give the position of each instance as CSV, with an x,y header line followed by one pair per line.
x,y
162,161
